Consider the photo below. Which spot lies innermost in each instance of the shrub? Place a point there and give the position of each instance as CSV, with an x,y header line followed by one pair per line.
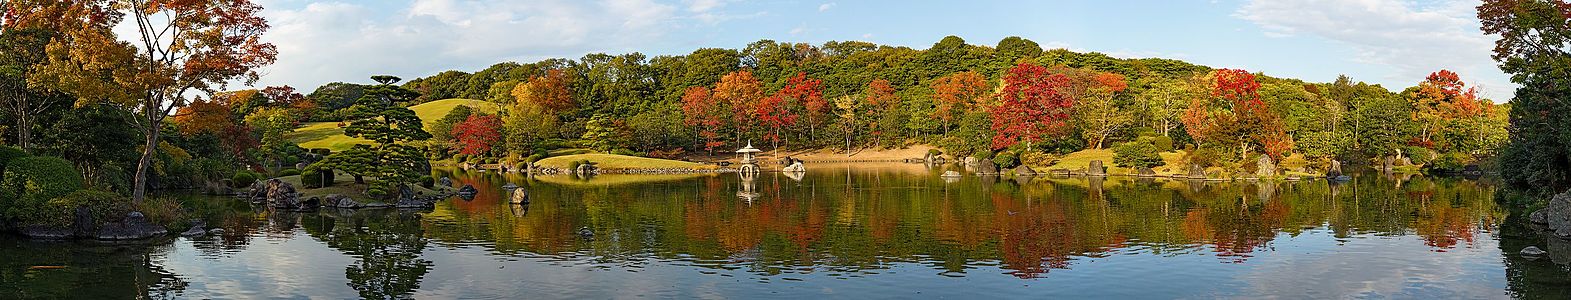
x,y
1162,143
102,205
1418,155
625,152
162,210
1006,160
244,178
289,172
1137,154
316,176
8,153
1452,161
1203,156
934,152
1035,158
29,182
460,158
983,155
573,165
426,181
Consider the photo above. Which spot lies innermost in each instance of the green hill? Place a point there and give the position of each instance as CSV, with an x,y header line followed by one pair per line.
x,y
329,135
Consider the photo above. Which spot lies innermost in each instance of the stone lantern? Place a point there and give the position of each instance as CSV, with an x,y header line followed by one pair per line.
x,y
749,163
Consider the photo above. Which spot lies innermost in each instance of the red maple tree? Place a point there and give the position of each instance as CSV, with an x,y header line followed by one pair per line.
x,y
477,134
704,114
1029,108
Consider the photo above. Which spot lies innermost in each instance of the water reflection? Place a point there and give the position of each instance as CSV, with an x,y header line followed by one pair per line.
x,y
902,226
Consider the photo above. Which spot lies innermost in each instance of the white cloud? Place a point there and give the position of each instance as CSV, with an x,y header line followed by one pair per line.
x,y
1413,40
333,41
826,6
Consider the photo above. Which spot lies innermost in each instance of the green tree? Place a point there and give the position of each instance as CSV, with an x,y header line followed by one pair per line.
x,y
389,158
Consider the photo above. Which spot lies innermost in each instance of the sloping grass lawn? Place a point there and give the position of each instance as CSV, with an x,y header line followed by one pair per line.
x,y
1081,159
329,135
613,161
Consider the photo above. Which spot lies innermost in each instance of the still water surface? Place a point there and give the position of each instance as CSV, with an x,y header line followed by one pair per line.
x,y
842,231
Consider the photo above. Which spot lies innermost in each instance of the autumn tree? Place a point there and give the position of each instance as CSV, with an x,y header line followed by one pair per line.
x,y
957,94
1232,114
22,44
702,113
805,98
1029,106
177,48
549,92
1534,46
740,92
1443,106
879,99
774,114
477,134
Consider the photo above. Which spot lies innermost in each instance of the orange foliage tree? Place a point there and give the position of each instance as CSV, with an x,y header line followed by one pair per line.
x,y
701,112
957,94
1234,115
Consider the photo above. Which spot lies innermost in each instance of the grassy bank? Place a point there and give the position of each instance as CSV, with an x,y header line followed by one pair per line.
x,y
329,135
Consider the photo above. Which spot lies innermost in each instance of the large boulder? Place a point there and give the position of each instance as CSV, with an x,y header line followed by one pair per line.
x,y
445,182
1145,172
794,167
1023,170
1558,215
340,201
1197,171
133,227
1096,169
986,167
1335,170
1265,168
281,194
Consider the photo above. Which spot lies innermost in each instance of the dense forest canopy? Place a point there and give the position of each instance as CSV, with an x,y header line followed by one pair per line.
x,y
964,98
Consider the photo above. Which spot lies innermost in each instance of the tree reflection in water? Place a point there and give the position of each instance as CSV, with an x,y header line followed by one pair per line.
x,y
863,221
385,243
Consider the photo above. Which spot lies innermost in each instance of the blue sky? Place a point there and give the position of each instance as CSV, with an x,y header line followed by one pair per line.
x,y
1394,43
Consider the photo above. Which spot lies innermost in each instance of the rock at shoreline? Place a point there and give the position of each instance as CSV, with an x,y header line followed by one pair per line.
x,y
467,192
1265,168
951,174
195,231
1539,217
1096,169
520,196
986,167
281,194
134,227
1023,170
340,201
1335,170
1532,251
795,167
1197,172
1145,172
1558,215
445,182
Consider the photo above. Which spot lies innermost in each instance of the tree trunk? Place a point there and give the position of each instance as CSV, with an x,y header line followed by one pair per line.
x,y
150,146
24,131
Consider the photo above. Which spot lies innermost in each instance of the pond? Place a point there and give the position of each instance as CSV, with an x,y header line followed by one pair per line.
x,y
841,231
